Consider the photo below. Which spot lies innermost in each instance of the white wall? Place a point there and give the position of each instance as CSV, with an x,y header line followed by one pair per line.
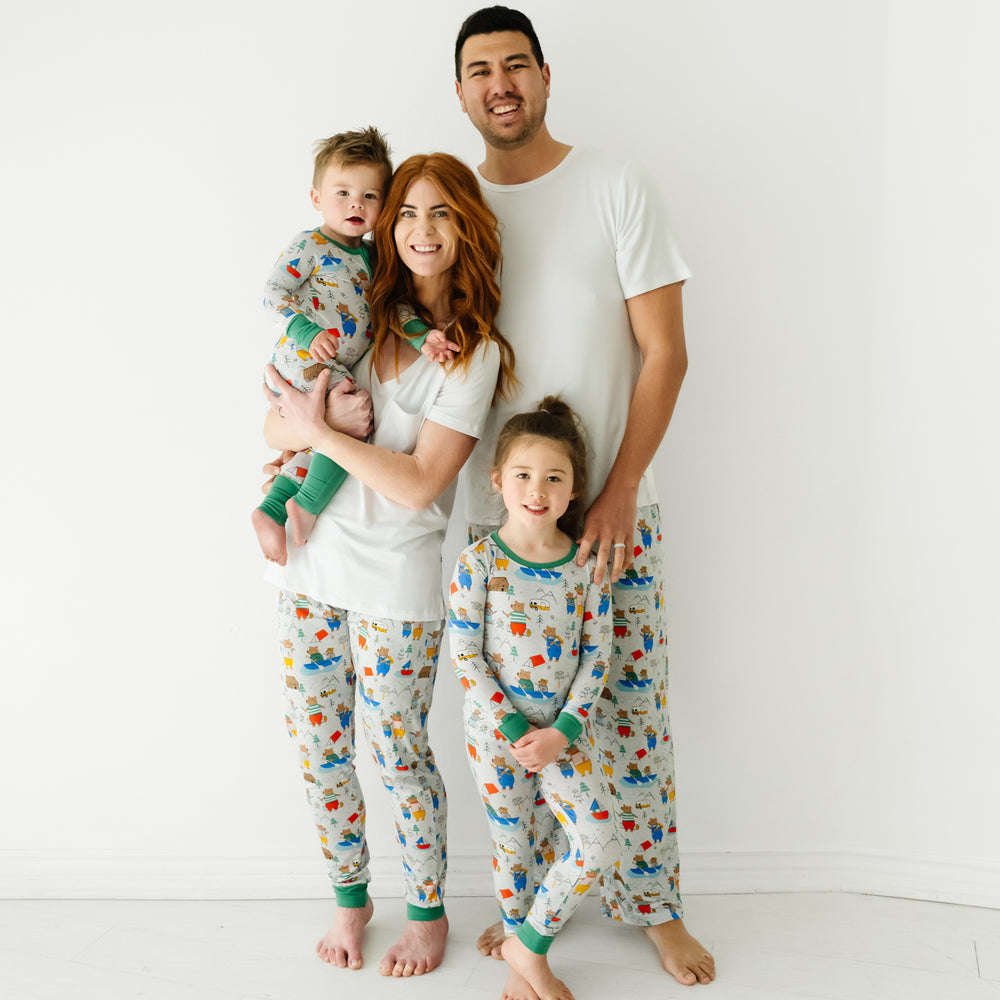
x,y
830,478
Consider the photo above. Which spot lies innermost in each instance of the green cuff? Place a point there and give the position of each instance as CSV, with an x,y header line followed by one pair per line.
x,y
416,330
424,912
569,725
302,331
351,897
514,727
532,940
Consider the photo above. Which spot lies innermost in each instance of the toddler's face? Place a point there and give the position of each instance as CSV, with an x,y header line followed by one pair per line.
x,y
349,199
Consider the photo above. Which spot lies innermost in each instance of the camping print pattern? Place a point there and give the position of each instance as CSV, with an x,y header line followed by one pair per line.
x,y
340,667
632,733
533,641
328,285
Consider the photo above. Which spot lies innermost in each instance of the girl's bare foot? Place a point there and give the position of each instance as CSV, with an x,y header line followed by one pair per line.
x,y
301,522
535,969
490,940
341,945
420,949
271,536
517,988
680,954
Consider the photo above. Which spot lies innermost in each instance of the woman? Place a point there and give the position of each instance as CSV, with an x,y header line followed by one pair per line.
x,y
360,607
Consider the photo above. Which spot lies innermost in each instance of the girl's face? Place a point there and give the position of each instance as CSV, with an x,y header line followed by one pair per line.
x,y
536,481
426,236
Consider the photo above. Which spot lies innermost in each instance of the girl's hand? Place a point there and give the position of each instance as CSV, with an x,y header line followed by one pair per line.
x,y
304,412
538,748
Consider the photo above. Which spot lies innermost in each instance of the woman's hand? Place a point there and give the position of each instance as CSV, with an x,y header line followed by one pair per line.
x,y
349,410
304,413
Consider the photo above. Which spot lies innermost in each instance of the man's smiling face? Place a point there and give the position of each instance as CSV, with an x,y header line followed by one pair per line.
x,y
502,88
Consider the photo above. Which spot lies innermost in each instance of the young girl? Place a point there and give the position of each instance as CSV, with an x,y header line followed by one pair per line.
x,y
530,636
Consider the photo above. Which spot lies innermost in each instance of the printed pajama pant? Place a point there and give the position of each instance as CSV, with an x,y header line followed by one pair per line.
x,y
576,795
338,663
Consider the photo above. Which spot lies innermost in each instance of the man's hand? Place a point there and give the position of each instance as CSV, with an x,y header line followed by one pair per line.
x,y
610,524
324,345
437,347
538,748
349,410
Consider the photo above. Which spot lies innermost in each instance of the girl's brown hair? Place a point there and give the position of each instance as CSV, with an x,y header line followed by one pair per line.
x,y
475,290
556,421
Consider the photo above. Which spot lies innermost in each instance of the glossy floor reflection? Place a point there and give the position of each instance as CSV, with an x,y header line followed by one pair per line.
x,y
768,947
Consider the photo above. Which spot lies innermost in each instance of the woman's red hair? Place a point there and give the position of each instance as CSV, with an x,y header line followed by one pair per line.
x,y
475,291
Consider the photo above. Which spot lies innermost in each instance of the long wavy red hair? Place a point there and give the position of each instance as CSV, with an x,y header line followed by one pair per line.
x,y
475,290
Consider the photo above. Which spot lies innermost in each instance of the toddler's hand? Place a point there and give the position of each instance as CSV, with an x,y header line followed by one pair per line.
x,y
324,345
437,347
538,748
272,468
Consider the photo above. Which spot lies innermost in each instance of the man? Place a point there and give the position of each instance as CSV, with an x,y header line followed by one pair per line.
x,y
592,306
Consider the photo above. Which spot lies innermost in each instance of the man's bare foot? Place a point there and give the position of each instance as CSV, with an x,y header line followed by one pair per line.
x,y
517,988
341,945
490,940
419,950
680,954
301,522
535,969
271,536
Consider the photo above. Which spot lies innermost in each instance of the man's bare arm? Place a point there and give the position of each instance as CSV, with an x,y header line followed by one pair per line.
x,y
657,320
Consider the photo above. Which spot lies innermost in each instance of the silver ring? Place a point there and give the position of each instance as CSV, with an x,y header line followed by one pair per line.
x,y
619,545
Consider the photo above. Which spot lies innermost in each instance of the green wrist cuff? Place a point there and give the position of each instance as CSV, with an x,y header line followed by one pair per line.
x,y
424,912
569,725
302,331
532,940
351,897
514,727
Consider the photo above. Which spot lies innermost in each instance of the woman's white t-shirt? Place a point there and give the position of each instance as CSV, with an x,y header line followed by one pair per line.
x,y
368,553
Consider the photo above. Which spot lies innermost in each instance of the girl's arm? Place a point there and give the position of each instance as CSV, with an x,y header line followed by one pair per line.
x,y
414,480
594,659
466,609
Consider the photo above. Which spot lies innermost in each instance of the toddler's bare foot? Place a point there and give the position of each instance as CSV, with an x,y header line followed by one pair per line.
x,y
517,988
341,945
535,969
301,521
490,940
271,536
680,954
419,950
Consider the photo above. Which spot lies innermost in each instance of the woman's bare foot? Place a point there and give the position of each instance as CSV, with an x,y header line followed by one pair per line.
x,y
680,954
490,940
419,950
341,945
271,536
535,969
517,988
301,522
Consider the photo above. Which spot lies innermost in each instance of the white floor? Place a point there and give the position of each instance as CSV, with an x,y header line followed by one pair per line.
x,y
768,947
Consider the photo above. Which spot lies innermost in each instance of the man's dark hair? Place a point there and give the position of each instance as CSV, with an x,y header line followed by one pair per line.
x,y
490,20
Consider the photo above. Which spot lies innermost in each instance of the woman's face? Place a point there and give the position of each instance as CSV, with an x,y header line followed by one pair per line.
x,y
426,237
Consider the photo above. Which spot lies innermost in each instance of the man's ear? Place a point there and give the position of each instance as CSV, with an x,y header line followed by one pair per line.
x,y
461,99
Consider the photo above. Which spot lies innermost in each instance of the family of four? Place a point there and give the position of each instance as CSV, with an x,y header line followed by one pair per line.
x,y
551,407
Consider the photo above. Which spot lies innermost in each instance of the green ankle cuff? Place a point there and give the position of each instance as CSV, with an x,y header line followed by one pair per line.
x,y
532,940
351,897
424,912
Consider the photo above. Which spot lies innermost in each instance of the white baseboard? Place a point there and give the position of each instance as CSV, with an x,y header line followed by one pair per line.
x,y
143,875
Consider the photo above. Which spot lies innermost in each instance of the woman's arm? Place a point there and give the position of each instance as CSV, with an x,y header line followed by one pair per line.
x,y
413,481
